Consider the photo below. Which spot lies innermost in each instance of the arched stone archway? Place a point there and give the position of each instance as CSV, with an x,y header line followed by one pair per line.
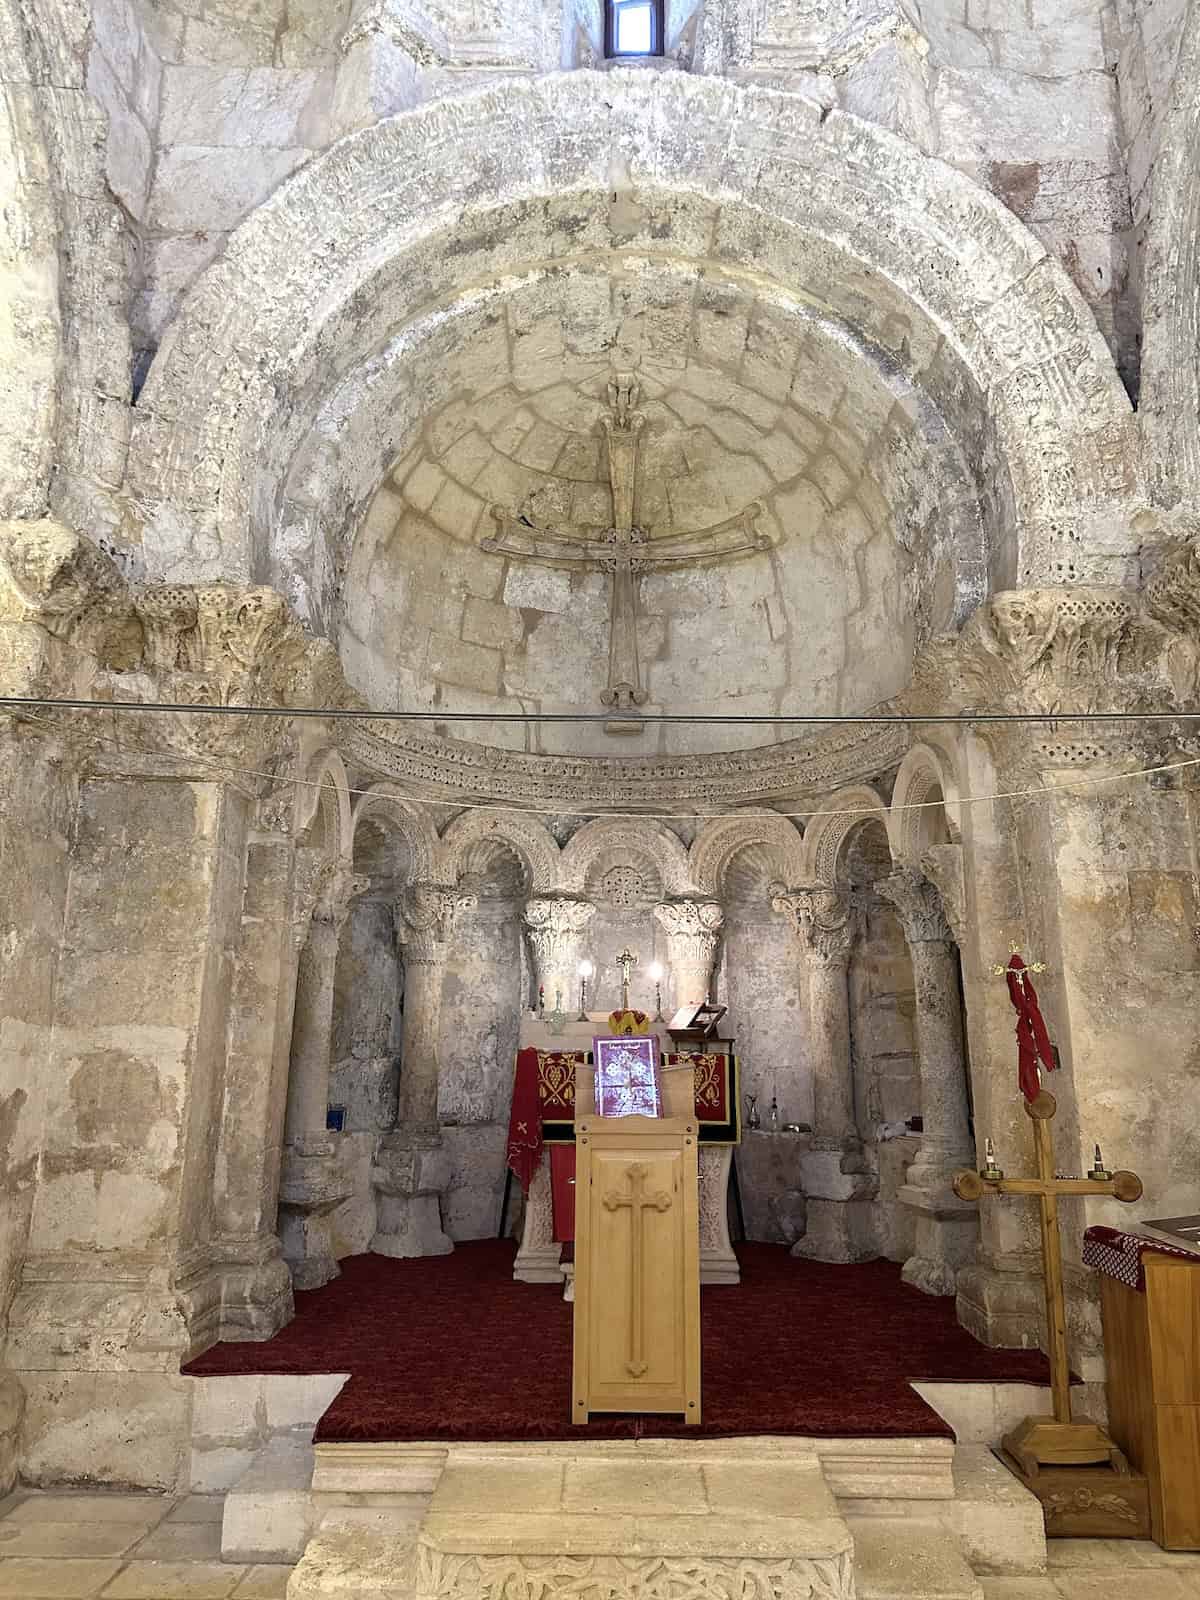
x,y
1022,358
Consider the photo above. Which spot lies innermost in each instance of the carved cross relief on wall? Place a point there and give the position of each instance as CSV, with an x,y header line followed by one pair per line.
x,y
625,550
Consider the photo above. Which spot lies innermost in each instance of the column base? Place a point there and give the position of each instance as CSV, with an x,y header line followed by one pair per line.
x,y
539,1258
838,1230
718,1264
256,1287
410,1176
312,1188
947,1235
1002,1309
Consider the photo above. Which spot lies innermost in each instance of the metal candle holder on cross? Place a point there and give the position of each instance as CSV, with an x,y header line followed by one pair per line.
x,y
1056,1440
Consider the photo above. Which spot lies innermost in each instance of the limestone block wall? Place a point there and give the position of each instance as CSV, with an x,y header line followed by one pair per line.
x,y
1021,97
117,1285
37,802
762,983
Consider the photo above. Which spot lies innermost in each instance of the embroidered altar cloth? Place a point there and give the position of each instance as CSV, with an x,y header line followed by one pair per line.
x,y
1120,1254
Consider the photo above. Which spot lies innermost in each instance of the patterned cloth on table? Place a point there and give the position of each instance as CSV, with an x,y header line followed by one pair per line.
x,y
1120,1254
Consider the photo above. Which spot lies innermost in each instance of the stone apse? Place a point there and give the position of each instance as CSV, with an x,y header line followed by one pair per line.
x,y
215,926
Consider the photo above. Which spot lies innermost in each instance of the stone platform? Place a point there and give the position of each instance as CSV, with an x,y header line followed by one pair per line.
x,y
831,1519
614,1522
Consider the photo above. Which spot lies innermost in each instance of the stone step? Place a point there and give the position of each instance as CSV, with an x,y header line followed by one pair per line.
x,y
269,1511
509,1522
993,1519
909,1558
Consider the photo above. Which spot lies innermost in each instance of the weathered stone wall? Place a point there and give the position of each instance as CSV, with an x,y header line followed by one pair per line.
x,y
117,1285
37,805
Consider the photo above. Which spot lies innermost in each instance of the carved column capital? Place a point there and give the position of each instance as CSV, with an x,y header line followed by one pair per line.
x,y
942,864
919,906
698,922
425,914
693,929
554,924
825,920
549,916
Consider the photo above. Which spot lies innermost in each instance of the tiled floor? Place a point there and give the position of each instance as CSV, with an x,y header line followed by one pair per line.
x,y
146,1547
1104,1569
123,1547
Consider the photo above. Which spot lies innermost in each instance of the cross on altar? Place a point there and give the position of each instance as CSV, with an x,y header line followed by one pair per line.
x,y
639,1203
1056,1440
626,961
624,550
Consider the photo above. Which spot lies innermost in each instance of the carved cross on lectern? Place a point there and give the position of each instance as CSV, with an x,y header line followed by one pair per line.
x,y
638,1203
624,550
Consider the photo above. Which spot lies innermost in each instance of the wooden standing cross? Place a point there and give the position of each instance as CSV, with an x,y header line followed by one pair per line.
x,y
639,1203
1056,1440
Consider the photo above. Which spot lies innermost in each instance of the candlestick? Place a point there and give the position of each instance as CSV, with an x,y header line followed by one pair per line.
x,y
1099,1171
585,972
990,1169
656,972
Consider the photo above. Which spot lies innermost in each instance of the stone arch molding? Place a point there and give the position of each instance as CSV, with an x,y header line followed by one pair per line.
x,y
924,773
326,772
529,839
385,804
375,234
721,839
605,834
829,829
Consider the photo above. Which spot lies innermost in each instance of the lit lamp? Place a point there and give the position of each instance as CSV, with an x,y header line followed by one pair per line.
x,y
585,971
656,972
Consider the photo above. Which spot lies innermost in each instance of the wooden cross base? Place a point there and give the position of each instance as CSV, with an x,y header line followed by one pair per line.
x,y
1045,1442
1085,1502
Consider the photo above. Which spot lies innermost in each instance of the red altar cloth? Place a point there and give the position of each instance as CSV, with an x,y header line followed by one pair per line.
x,y
562,1190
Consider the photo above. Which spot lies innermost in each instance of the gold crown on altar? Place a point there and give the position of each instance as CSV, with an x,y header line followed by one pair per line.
x,y
628,1022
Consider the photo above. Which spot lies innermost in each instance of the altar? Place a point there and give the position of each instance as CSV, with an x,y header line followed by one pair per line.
x,y
547,1227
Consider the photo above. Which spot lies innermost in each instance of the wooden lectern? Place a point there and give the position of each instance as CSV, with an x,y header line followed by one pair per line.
x,y
637,1256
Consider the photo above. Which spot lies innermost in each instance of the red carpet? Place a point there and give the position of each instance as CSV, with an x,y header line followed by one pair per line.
x,y
452,1348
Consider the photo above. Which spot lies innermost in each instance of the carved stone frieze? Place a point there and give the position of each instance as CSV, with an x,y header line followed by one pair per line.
x,y
919,906
425,914
825,920
446,1575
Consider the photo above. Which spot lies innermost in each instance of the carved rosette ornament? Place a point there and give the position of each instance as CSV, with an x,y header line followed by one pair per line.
x,y
554,924
826,921
918,905
425,914
693,930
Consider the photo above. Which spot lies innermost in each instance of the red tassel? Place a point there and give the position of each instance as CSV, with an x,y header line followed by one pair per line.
x,y
1033,1041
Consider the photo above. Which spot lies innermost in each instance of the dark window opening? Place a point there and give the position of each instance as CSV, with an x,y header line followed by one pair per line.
x,y
633,28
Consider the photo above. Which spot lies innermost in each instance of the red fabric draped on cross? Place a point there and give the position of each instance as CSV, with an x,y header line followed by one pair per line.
x,y
1033,1042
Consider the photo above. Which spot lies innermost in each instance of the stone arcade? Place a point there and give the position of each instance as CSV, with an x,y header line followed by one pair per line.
x,y
320,320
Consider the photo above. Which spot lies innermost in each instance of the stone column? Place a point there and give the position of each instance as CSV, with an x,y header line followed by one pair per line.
x,y
554,925
412,1169
312,1185
836,1184
693,930
947,1230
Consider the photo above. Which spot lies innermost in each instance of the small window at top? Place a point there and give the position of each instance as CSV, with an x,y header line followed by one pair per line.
x,y
633,27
